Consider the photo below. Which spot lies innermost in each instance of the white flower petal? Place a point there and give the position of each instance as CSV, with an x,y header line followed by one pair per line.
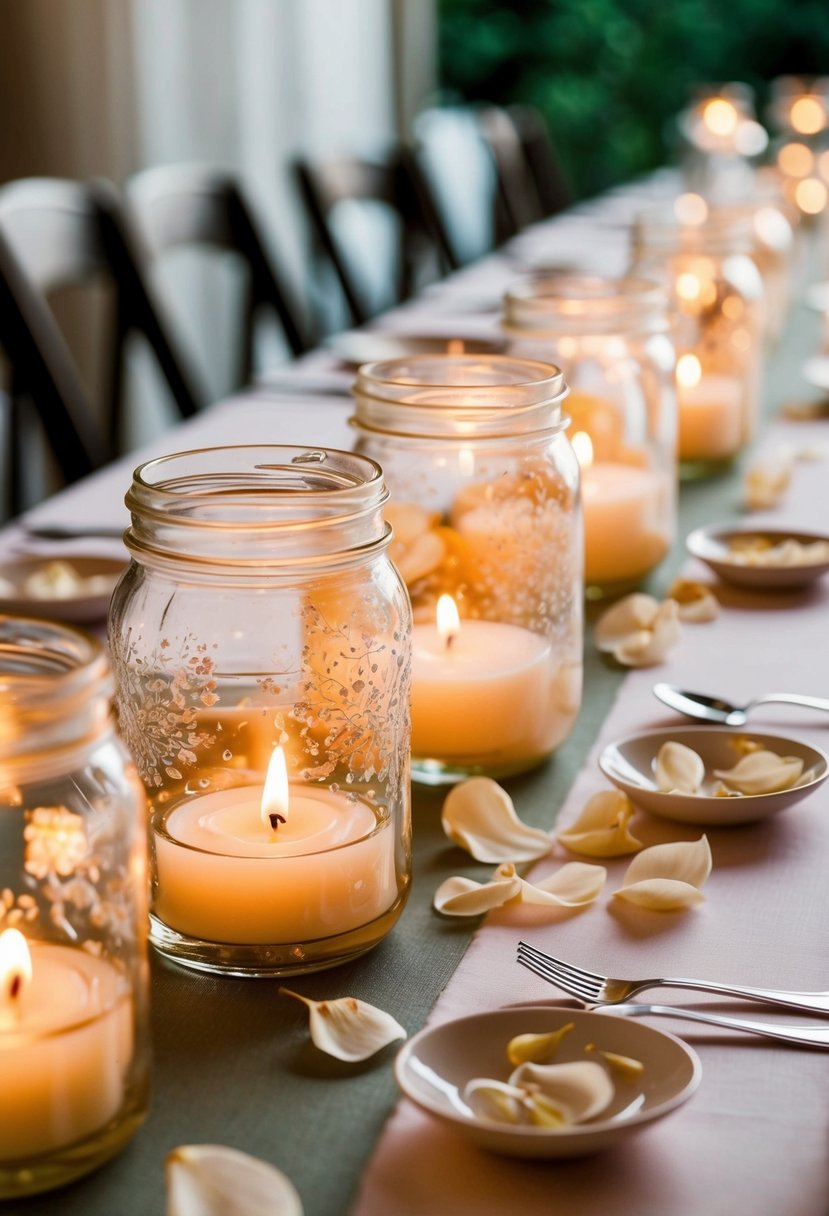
x,y
660,894
495,1100
679,768
697,603
479,816
649,647
627,616
213,1180
601,829
571,886
348,1028
463,897
580,1089
762,772
686,861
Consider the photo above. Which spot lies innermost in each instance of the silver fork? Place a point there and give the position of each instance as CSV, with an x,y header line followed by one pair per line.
x,y
596,989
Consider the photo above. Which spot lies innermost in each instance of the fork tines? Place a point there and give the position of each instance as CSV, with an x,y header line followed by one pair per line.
x,y
579,983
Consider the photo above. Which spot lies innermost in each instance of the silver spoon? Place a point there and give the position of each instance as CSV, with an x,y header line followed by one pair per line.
x,y
714,709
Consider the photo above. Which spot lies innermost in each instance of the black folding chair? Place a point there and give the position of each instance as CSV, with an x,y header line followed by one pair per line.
x,y
176,206
395,183
55,234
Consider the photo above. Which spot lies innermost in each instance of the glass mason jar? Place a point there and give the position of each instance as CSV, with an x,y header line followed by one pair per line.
x,y
74,1037
486,511
716,293
610,337
261,649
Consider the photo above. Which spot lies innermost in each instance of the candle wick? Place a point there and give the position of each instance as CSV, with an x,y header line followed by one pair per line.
x,y
276,819
450,637
15,985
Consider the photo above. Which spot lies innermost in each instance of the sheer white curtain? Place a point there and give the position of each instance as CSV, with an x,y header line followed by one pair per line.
x,y
112,86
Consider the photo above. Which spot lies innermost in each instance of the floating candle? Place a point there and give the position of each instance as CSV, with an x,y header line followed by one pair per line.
x,y
66,1041
710,412
484,693
279,864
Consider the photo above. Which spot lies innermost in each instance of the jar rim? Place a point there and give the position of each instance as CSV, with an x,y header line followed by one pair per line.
x,y
528,374
585,303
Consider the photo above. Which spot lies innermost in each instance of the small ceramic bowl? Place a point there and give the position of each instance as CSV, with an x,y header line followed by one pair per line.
x,y
87,604
631,763
434,1067
714,546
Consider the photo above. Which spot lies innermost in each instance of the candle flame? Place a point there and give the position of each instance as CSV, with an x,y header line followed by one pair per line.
x,y
274,808
811,195
15,965
688,286
447,619
583,447
795,160
808,115
688,371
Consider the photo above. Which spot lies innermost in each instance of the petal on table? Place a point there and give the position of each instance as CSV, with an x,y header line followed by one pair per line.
x,y
348,1028
479,816
661,894
571,886
628,616
649,646
213,1180
684,861
463,897
697,603
601,829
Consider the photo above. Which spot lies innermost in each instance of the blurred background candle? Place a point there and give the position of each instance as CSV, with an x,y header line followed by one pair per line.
x,y
225,874
483,692
486,509
710,413
611,337
66,1039
624,518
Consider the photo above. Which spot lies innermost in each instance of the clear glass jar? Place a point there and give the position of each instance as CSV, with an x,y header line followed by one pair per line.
x,y
486,511
261,623
74,1035
610,337
716,292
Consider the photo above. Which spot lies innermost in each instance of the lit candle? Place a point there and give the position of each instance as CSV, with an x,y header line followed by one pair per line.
x,y
66,1038
626,509
710,412
279,864
484,693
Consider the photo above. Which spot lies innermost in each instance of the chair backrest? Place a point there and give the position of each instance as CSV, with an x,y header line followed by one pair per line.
x,y
457,166
392,184
57,234
176,206
518,203
551,185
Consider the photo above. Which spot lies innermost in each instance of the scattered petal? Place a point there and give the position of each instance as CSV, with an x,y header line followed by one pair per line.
x,y
212,1180
649,647
626,1066
571,886
462,897
601,829
479,816
679,769
348,1028
762,772
766,482
627,616
576,1091
536,1048
697,603
667,877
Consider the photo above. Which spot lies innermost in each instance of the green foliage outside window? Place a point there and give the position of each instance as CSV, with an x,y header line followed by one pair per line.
x,y
610,75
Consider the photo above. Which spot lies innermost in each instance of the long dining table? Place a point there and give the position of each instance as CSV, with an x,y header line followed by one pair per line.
x,y
232,1060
